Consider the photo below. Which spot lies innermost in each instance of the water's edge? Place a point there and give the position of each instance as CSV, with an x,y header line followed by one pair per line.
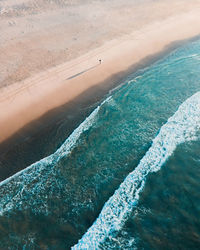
x,y
69,116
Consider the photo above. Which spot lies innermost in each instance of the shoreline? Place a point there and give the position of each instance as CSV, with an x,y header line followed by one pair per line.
x,y
31,134
77,88
63,83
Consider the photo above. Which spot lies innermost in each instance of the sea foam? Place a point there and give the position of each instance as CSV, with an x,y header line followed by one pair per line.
x,y
181,127
15,189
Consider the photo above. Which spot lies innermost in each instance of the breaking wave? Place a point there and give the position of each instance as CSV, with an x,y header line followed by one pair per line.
x,y
181,127
13,190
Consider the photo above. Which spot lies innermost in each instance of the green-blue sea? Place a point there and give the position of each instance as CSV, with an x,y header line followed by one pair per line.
x,y
128,177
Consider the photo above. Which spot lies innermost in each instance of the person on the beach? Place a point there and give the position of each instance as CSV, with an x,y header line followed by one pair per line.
x,y
99,61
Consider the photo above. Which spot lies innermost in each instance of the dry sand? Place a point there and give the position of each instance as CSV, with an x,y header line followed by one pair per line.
x,y
49,50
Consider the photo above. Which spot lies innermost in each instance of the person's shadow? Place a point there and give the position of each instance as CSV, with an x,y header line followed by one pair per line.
x,y
78,74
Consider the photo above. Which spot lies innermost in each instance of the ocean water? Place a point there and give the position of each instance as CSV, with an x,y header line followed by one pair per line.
x,y
126,178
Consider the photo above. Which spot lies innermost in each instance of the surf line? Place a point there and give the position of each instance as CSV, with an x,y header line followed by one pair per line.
x,y
181,127
26,176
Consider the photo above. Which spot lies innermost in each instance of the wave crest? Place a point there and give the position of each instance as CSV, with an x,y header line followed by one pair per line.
x,y
18,191
181,127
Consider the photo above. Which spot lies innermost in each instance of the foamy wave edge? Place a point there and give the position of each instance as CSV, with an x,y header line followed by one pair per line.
x,y
36,168
180,127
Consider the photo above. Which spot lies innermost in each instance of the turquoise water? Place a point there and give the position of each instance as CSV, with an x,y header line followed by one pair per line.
x,y
126,178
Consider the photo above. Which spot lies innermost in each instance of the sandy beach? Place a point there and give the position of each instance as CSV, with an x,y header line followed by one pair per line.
x,y
50,55
99,124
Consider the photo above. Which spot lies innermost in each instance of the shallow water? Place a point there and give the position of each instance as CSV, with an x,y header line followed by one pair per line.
x,y
56,200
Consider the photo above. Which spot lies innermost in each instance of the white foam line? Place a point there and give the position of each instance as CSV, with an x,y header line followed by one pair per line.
x,y
181,127
29,173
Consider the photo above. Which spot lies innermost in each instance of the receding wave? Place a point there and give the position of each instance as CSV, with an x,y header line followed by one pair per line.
x,y
181,127
13,188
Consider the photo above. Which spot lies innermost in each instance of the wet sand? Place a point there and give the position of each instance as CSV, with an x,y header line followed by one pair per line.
x,y
33,104
25,101
44,135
